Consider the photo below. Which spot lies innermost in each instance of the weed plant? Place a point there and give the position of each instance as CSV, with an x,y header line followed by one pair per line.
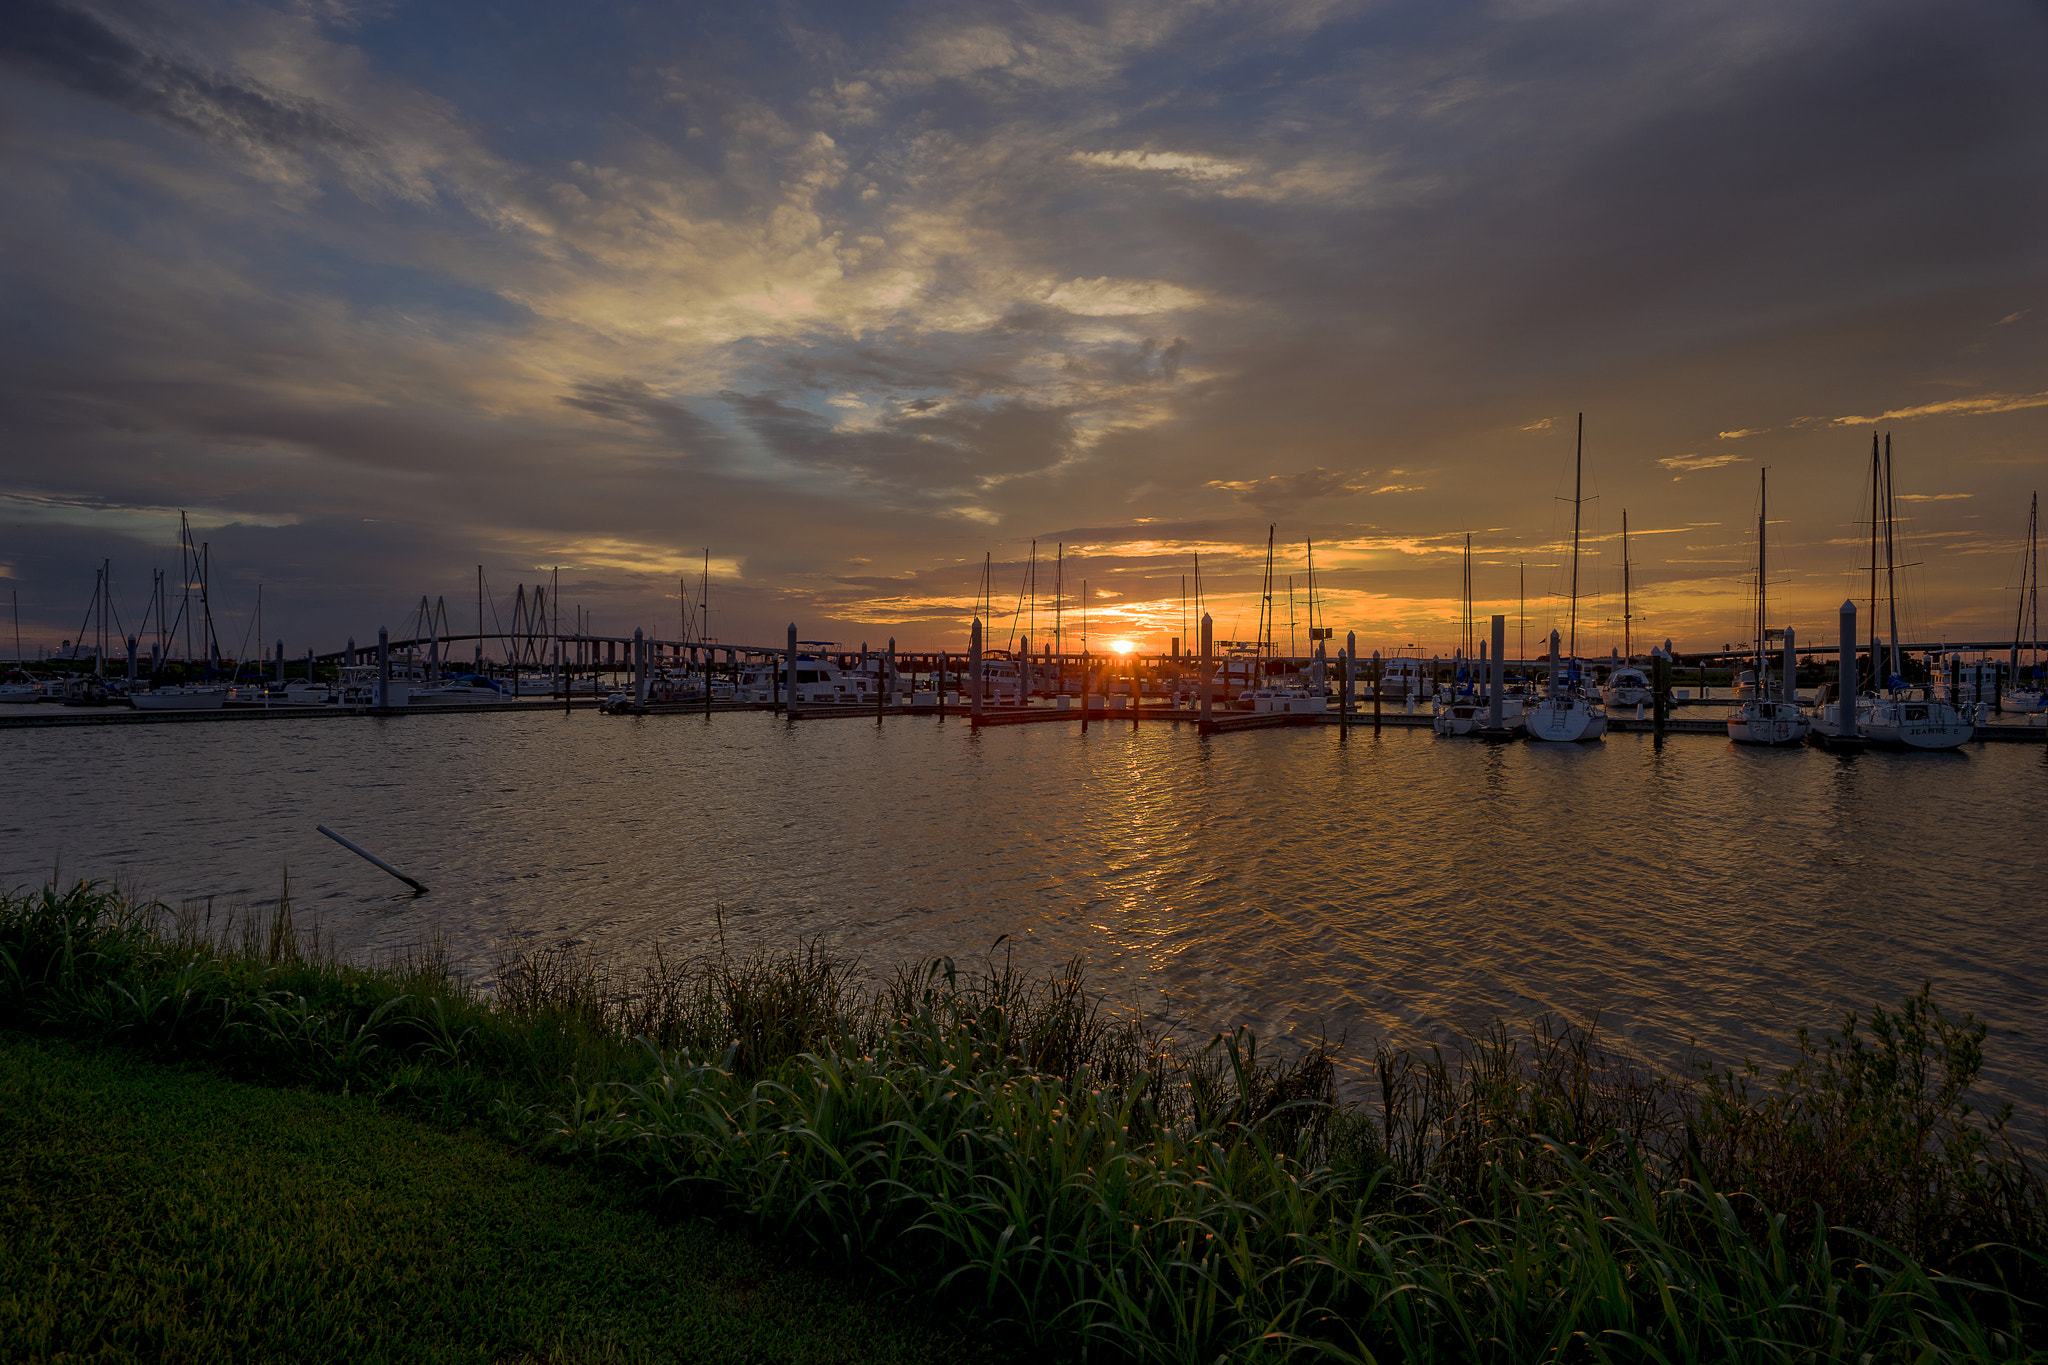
x,y
1093,1187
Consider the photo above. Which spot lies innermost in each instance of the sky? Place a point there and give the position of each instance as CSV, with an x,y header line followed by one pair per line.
x,y
855,299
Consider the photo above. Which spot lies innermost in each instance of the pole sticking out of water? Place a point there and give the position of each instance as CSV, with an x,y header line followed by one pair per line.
x,y
131,658
1554,680
1791,689
1846,704
383,667
789,675
1208,666
1497,679
1350,676
1379,688
974,673
371,858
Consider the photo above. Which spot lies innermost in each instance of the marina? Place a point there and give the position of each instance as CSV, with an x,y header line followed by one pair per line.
x,y
1381,886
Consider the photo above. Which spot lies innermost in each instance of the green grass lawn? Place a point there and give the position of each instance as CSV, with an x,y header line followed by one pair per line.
x,y
155,1214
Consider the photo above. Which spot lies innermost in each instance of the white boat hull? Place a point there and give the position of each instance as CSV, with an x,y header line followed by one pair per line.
x,y
1768,723
178,700
1564,720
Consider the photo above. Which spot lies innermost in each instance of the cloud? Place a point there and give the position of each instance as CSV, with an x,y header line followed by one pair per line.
x,y
76,48
1692,464
1983,403
1932,497
1277,492
1103,297
1746,431
1187,165
2010,318
1540,424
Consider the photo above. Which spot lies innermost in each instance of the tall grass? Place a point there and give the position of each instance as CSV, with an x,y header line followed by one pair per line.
x,y
1097,1187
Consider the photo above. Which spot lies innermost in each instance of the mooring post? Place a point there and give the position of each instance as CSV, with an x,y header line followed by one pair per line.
x,y
1208,669
789,676
1497,679
1791,688
974,673
1379,686
943,657
1845,707
131,658
383,668
1660,691
639,666
1087,666
1350,679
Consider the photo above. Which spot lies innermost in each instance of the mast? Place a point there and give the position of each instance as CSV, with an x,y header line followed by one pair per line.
x,y
1891,586
1876,486
1628,647
2019,623
1059,610
1762,503
1467,638
1266,601
1578,500
1311,596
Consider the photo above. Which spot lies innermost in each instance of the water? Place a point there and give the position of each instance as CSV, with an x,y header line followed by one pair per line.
x,y
1399,887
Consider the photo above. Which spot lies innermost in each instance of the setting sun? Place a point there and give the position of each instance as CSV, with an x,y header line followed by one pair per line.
x,y
1122,646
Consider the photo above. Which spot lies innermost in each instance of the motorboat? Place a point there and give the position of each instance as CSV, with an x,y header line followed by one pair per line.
x,y
471,689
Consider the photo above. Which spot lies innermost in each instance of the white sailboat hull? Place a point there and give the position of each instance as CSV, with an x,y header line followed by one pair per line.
x,y
179,699
1564,720
1770,723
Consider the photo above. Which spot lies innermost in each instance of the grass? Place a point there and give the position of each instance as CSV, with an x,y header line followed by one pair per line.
x,y
165,1215
1080,1185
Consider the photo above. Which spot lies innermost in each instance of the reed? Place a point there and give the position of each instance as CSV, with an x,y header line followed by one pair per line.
x,y
1097,1186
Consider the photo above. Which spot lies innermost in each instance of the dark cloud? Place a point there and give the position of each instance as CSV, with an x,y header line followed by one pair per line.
x,y
841,294
1283,492
75,47
631,400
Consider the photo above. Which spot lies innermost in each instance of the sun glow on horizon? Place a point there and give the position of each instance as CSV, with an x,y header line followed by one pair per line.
x,y
1123,646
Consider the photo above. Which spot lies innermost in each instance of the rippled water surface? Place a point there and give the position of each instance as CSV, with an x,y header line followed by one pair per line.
x,y
1398,886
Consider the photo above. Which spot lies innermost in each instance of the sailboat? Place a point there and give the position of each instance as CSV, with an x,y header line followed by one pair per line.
x,y
1626,684
2027,695
1564,714
1899,717
1761,718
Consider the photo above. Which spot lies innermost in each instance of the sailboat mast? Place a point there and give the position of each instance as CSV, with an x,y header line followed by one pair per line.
x,y
2029,572
1466,643
1578,500
1627,611
1266,601
1891,582
1311,596
1876,486
1762,519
